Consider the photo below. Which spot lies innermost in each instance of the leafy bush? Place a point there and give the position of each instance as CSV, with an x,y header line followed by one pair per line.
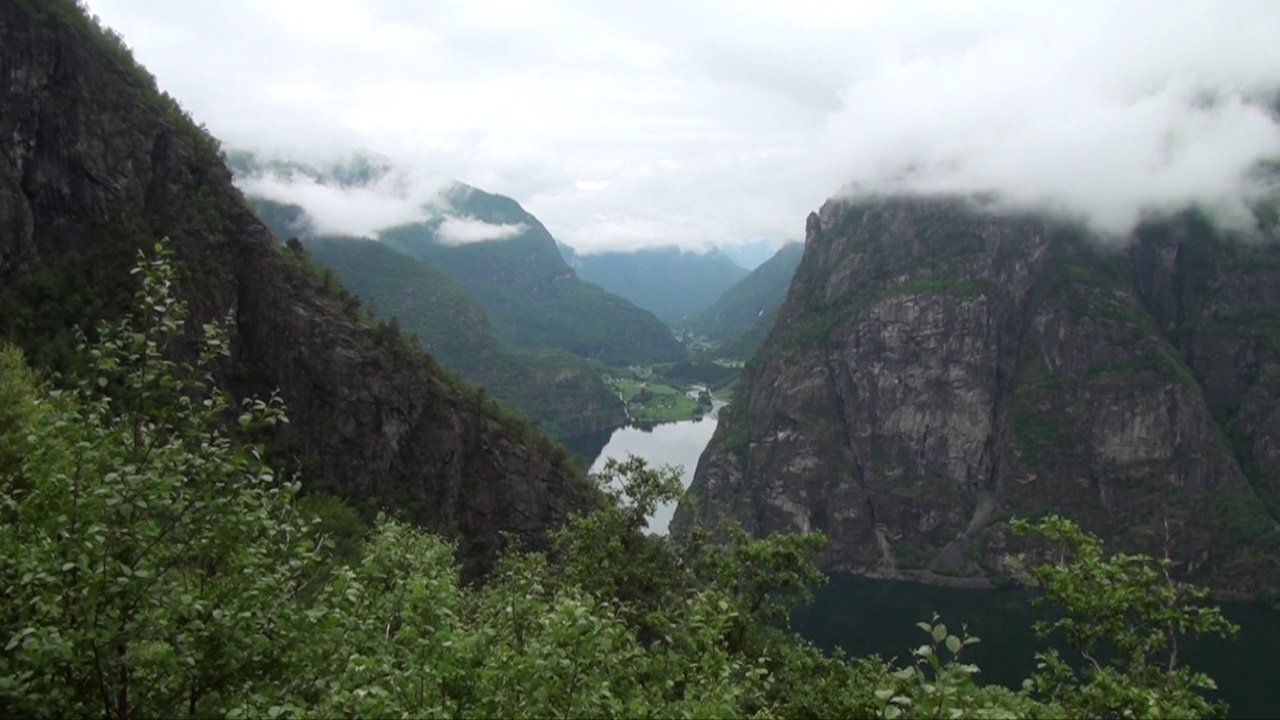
x,y
151,565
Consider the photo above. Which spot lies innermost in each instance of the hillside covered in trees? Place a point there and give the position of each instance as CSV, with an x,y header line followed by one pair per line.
x,y
153,565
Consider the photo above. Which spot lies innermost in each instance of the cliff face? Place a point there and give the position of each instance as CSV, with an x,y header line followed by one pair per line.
x,y
97,163
937,368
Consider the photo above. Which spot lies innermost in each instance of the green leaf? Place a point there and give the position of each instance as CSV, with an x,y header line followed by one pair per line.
x,y
953,644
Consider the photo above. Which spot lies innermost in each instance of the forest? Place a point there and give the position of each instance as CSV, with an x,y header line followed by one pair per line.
x,y
153,564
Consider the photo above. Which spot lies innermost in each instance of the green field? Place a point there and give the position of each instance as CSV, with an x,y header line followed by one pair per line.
x,y
656,402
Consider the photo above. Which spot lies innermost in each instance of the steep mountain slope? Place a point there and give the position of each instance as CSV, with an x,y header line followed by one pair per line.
x,y
562,392
534,299
503,256
937,368
751,254
97,163
668,282
750,303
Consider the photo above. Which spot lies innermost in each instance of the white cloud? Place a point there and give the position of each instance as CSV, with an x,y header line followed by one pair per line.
x,y
460,231
361,211
1106,115
728,121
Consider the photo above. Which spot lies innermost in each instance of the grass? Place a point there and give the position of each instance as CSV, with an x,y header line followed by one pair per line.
x,y
655,402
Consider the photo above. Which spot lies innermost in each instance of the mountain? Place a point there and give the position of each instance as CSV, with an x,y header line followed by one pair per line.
x,y
668,282
939,367
751,254
98,164
502,255
358,169
752,302
562,392
535,300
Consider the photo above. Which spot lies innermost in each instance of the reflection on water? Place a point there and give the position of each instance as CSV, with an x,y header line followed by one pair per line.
x,y
866,616
674,443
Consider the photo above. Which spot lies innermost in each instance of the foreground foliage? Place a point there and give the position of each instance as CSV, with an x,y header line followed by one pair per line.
x,y
151,565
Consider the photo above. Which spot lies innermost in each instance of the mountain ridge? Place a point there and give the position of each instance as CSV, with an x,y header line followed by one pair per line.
x,y
100,164
741,317
938,367
504,257
670,282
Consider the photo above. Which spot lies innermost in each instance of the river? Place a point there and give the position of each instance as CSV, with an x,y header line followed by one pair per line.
x,y
866,616
674,443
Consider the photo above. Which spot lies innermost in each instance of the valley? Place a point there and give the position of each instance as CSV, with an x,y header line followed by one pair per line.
x,y
299,433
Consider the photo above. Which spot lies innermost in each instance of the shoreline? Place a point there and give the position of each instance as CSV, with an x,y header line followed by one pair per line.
x,y
928,577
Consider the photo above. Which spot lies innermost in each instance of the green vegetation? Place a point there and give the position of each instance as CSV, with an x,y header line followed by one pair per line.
x,y
1039,429
1131,604
753,300
700,372
668,282
73,15
655,402
562,392
533,298
153,565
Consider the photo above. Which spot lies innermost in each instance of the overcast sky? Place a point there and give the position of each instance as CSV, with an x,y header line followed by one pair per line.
x,y
649,123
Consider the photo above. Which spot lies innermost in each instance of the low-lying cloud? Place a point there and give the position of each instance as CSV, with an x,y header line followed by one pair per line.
x,y
670,122
353,210
1107,116
461,230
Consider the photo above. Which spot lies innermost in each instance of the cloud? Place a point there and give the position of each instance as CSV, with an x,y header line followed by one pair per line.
x,y
725,122
1104,115
358,210
460,231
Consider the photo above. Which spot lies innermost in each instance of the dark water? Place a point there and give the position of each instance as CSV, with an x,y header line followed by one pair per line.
x,y
866,616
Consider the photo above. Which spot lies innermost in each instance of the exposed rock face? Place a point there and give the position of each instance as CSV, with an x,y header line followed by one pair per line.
x,y
95,163
937,368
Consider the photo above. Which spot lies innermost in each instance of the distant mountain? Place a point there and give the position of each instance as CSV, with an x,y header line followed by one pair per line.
x,y
503,257
751,255
561,391
534,298
939,366
745,312
669,282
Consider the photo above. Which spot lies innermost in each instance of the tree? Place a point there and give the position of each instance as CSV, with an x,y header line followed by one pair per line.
x,y
147,560
153,565
1132,605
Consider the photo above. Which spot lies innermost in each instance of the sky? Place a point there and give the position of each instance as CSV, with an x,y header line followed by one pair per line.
x,y
634,124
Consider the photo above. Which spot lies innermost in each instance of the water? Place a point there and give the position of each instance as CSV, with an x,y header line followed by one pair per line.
x,y
674,443
866,616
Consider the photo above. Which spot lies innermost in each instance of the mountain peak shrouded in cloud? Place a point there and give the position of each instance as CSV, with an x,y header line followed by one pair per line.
x,y
355,194
362,194
460,231
689,123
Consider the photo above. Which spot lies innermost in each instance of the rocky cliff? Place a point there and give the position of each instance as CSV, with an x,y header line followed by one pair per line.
x,y
96,162
938,367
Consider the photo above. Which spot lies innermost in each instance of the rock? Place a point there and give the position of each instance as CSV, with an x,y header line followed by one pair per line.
x,y
98,163
939,367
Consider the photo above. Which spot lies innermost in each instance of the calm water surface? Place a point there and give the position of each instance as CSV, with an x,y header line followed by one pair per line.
x,y
866,616
675,443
